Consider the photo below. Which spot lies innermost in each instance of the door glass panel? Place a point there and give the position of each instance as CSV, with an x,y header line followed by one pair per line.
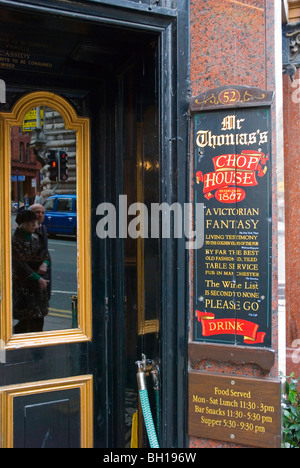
x,y
141,178
44,223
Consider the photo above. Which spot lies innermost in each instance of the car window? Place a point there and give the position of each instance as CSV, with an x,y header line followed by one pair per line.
x,y
49,205
64,204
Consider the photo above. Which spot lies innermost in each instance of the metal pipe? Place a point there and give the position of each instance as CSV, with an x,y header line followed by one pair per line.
x,y
145,366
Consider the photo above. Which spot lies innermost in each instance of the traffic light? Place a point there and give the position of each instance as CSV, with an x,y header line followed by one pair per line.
x,y
53,167
63,159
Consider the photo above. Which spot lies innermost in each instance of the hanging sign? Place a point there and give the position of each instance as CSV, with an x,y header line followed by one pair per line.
x,y
232,180
30,120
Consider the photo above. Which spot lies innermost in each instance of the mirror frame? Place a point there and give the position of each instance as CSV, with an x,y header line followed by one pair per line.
x,y
82,127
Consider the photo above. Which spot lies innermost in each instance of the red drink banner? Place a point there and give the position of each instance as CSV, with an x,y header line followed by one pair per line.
x,y
230,326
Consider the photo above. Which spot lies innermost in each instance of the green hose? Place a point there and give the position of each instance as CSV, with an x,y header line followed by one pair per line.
x,y
144,399
155,378
156,394
148,418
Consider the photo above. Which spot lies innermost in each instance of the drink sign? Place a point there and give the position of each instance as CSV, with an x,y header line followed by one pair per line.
x,y
232,179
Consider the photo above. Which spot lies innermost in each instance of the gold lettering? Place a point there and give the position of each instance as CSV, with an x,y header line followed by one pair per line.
x,y
206,138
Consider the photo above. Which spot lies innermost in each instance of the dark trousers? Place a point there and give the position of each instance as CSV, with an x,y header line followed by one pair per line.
x,y
29,325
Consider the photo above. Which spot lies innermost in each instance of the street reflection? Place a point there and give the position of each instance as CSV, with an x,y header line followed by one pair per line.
x,y
44,223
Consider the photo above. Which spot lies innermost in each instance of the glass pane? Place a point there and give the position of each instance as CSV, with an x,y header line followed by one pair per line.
x,y
141,177
44,223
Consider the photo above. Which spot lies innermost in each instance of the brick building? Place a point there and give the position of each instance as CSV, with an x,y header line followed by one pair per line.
x,y
23,164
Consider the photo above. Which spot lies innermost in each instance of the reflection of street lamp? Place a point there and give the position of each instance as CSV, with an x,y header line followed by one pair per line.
x,y
38,139
18,195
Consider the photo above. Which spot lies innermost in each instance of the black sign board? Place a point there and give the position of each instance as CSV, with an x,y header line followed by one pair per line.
x,y
232,181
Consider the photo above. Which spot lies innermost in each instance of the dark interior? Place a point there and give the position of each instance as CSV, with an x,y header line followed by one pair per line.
x,y
110,75
66,47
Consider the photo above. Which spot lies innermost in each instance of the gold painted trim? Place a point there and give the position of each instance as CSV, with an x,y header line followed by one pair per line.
x,y
82,127
83,382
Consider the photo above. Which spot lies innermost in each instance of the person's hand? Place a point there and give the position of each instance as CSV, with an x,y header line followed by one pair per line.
x,y
43,283
42,269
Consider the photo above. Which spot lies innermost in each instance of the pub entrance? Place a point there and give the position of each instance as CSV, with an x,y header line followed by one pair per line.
x,y
95,92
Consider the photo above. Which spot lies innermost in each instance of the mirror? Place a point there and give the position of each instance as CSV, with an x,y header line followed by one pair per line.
x,y
45,250
44,223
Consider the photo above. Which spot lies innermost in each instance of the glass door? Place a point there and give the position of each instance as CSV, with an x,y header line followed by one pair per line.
x,y
138,152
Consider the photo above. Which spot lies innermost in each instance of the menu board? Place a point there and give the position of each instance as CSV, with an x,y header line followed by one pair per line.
x,y
232,181
235,409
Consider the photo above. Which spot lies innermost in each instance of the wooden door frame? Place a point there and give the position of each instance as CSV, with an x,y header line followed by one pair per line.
x,y
172,27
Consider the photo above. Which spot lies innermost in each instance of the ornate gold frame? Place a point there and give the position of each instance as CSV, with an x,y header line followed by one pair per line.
x,y
83,382
82,127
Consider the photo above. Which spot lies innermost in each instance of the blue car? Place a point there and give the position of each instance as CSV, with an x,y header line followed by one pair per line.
x,y
60,214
